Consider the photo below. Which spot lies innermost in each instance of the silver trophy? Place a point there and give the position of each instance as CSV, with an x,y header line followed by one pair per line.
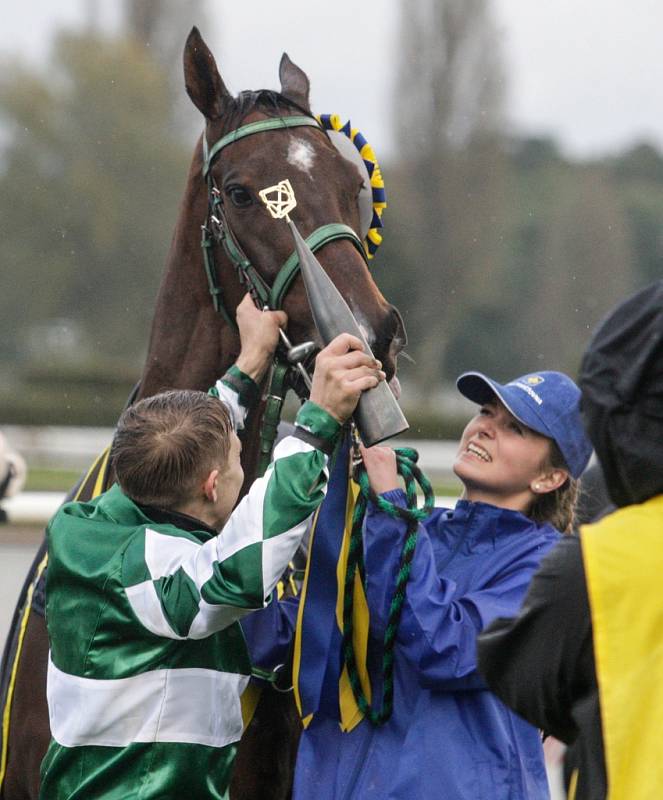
x,y
378,415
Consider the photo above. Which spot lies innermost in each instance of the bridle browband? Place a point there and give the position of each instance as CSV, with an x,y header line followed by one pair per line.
x,y
218,230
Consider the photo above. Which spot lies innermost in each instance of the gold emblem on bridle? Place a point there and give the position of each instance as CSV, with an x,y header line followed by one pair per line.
x,y
279,199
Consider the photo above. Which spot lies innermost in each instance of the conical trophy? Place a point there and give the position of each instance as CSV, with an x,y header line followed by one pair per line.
x,y
378,416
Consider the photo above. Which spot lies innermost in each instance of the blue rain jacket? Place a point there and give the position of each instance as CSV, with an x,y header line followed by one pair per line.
x,y
448,736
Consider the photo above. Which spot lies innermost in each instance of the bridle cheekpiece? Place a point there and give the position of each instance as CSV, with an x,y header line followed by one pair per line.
x,y
217,229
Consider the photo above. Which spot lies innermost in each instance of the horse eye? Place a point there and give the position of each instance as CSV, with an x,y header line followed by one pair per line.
x,y
239,196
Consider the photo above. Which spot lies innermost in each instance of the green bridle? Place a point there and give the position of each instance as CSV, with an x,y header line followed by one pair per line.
x,y
218,230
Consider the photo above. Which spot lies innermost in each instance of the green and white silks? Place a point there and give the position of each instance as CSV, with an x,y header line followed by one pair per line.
x,y
148,662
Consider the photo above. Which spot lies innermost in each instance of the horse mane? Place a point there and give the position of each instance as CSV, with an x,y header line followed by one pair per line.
x,y
268,101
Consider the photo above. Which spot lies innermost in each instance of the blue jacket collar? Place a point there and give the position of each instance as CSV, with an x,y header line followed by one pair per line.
x,y
484,519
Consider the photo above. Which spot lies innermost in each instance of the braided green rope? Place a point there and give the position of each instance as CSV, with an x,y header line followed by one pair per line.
x,y
406,459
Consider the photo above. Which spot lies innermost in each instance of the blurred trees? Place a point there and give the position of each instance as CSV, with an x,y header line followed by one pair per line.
x,y
450,179
638,174
501,254
88,191
93,164
569,260
94,159
161,26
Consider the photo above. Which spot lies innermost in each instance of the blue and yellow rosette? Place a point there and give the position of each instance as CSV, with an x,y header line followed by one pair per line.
x,y
333,122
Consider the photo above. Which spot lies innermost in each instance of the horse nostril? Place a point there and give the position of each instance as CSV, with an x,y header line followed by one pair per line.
x,y
390,340
399,335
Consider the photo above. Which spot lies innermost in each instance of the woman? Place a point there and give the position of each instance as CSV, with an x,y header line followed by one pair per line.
x,y
519,459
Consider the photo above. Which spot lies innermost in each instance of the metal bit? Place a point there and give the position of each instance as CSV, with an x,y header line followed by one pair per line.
x,y
296,354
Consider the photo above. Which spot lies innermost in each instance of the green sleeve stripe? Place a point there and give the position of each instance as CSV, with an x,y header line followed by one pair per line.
x,y
237,580
134,568
314,419
295,489
179,599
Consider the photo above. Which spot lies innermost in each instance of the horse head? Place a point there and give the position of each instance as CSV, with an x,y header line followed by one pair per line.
x,y
191,344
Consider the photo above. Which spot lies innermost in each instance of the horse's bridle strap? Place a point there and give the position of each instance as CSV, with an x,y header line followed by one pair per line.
x,y
273,298
274,123
320,237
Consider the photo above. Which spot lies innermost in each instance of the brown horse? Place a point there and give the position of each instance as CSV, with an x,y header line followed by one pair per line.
x,y
191,344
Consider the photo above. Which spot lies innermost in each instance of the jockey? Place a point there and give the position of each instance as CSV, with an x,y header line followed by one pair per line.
x,y
147,661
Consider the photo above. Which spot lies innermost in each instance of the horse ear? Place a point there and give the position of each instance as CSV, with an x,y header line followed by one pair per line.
x,y
294,83
201,77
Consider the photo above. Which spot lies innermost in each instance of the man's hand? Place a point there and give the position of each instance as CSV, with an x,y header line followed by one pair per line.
x,y
259,335
342,372
380,463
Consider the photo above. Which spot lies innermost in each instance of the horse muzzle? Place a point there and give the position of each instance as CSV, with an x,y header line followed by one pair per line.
x,y
391,339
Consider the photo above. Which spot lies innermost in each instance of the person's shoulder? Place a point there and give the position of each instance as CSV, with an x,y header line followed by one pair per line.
x,y
438,518
70,514
546,530
536,533
521,538
153,549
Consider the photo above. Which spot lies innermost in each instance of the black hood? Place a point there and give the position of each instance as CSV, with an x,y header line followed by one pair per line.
x,y
621,379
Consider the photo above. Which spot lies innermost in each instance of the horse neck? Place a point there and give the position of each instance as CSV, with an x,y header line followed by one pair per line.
x,y
190,345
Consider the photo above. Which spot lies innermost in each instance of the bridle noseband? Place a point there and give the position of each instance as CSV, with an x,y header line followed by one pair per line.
x,y
217,229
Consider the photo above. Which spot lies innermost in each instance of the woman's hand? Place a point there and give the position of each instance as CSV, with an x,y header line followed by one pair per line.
x,y
380,463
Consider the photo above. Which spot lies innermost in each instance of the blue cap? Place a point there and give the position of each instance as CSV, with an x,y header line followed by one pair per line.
x,y
547,402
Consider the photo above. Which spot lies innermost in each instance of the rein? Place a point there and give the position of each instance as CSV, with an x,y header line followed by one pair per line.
x,y
412,475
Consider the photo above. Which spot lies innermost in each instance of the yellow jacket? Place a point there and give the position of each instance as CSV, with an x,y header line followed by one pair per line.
x,y
623,558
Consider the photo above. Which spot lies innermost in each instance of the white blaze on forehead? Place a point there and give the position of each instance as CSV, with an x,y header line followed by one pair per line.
x,y
301,155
